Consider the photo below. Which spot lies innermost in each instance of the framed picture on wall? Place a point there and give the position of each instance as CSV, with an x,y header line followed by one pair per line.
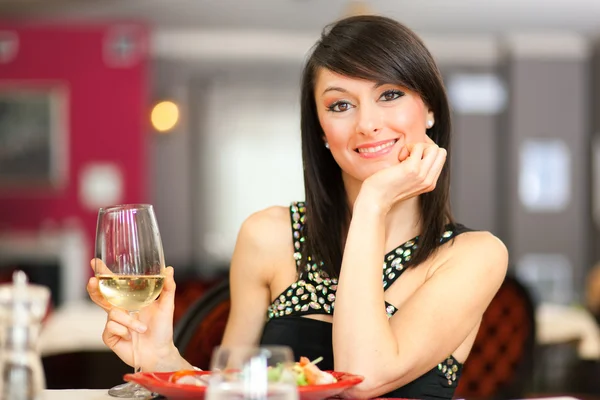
x,y
33,137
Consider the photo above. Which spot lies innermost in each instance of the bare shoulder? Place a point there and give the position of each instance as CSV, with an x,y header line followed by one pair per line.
x,y
480,243
266,236
268,227
478,254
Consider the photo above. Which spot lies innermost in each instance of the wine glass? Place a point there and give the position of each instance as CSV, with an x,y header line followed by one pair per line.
x,y
129,265
252,373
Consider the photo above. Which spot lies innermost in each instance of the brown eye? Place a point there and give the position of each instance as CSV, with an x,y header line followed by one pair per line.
x,y
339,106
390,95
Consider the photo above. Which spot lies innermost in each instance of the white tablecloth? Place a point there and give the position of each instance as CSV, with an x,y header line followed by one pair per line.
x,y
561,324
77,395
76,326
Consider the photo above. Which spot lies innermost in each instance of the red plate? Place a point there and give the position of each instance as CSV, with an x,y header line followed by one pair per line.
x,y
159,382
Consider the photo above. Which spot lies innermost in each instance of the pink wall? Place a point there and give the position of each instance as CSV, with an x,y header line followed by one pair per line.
x,y
107,114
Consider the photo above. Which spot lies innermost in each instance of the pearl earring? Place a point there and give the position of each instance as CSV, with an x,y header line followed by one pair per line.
x,y
326,145
429,123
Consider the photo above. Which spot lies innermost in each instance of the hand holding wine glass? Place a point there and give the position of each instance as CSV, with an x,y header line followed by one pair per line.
x,y
130,272
156,350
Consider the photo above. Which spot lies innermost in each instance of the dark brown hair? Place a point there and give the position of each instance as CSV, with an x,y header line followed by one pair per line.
x,y
381,50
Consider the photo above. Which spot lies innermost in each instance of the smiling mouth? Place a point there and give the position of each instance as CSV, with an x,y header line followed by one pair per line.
x,y
376,149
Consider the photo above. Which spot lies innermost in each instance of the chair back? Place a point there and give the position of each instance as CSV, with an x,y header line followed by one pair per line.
x,y
202,325
500,364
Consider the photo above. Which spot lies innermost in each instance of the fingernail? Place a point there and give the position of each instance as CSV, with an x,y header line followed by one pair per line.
x,y
141,328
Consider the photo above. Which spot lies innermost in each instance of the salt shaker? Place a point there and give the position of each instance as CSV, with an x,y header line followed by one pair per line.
x,y
22,307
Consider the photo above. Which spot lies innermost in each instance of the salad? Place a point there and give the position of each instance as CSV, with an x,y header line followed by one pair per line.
x,y
305,373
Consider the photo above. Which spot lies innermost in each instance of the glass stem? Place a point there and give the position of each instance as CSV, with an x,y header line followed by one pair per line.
x,y
137,365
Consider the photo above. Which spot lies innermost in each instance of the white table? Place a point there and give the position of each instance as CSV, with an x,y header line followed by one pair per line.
x,y
76,326
67,246
562,324
83,394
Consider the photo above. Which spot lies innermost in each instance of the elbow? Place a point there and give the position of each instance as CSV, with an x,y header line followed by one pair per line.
x,y
355,393
381,374
375,384
365,390
358,392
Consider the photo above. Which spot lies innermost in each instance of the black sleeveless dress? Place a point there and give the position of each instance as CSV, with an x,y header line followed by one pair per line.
x,y
315,292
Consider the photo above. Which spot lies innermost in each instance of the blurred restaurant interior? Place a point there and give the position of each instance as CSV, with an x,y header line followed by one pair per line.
x,y
193,106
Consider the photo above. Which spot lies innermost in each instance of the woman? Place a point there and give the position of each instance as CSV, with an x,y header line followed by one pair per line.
x,y
375,135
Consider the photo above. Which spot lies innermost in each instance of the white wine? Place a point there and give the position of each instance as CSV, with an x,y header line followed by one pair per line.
x,y
131,292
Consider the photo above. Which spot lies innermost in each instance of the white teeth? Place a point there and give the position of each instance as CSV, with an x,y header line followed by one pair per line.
x,y
376,148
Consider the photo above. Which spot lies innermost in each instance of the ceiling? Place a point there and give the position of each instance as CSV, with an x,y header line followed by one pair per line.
x,y
428,16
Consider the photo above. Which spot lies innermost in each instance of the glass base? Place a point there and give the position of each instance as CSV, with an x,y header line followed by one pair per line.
x,y
130,391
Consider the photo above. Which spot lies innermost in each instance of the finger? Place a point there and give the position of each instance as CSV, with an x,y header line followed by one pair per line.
x,y
426,144
115,329
99,267
412,164
123,318
112,340
415,150
167,296
403,154
430,156
93,290
430,150
440,161
435,170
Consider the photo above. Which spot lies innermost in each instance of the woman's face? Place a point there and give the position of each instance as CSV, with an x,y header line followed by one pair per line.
x,y
366,123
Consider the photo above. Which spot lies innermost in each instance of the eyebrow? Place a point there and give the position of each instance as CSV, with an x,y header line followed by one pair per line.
x,y
340,89
334,89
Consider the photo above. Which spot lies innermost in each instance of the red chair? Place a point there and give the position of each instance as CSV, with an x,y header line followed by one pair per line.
x,y
202,325
501,362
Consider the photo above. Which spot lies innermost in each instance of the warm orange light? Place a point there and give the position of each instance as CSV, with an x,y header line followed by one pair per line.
x,y
164,116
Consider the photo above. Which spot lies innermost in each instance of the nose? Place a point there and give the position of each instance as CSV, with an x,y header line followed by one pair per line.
x,y
369,120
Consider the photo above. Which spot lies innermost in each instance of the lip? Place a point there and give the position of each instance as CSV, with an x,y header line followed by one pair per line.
x,y
379,153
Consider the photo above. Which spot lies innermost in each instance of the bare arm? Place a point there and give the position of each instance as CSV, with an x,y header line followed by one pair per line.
x,y
263,242
427,328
